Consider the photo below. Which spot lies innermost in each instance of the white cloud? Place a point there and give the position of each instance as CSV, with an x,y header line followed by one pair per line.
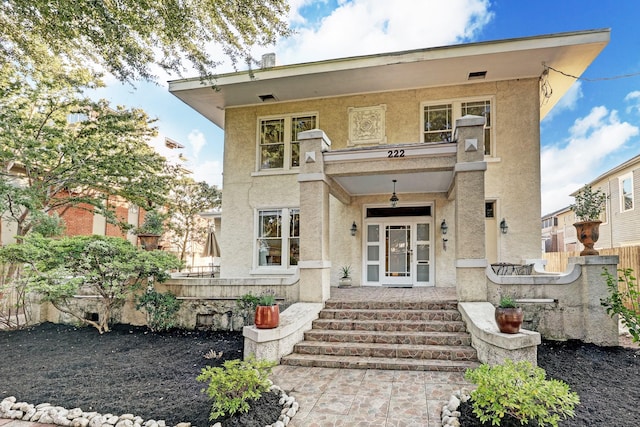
x,y
635,98
370,26
209,171
566,167
196,140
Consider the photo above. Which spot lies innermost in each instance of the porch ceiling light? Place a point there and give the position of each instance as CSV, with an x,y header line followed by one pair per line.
x,y
394,199
503,226
354,228
444,227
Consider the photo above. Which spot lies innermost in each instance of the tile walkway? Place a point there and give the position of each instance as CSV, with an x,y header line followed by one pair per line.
x,y
358,397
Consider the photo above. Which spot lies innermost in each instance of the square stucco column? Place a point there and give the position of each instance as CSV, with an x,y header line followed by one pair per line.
x,y
469,201
314,263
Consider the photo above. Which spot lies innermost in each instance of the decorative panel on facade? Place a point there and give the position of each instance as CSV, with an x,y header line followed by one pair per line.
x,y
367,125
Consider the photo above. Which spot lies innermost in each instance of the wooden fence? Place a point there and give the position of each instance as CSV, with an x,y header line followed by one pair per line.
x,y
629,258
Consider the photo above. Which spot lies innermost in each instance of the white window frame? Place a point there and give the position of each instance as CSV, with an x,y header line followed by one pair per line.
x,y
286,167
621,181
285,239
456,112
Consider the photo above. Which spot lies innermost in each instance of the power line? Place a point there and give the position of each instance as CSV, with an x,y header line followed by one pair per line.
x,y
623,76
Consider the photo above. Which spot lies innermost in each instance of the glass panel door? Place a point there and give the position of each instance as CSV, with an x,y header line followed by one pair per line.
x,y
423,253
398,255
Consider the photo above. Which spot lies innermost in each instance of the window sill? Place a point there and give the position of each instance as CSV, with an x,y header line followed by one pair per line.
x,y
490,159
275,172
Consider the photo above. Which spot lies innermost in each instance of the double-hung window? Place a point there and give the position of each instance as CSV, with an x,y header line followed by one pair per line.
x,y
626,193
438,120
278,237
278,144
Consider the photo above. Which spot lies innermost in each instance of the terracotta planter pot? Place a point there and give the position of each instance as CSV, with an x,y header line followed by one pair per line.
x,y
588,234
509,320
149,242
267,316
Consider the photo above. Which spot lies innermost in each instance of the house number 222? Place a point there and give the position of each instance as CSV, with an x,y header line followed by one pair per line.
x,y
395,153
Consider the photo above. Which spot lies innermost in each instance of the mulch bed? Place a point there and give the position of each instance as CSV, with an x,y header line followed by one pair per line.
x,y
131,370
607,379
127,370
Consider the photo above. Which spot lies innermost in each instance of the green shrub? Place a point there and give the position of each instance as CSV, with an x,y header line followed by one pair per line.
x,y
520,390
624,300
161,309
234,384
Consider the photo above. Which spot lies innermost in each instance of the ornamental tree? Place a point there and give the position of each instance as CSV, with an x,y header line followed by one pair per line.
x,y
130,37
109,269
60,149
189,199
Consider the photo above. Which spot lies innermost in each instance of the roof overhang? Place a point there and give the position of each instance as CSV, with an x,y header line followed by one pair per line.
x,y
440,66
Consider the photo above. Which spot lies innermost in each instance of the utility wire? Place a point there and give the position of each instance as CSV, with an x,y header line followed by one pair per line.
x,y
623,76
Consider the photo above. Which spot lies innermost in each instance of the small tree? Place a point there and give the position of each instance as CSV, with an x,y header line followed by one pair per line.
x,y
110,268
189,199
589,204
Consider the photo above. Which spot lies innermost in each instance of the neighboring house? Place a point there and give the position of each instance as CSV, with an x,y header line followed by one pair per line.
x,y
80,220
402,165
621,218
558,232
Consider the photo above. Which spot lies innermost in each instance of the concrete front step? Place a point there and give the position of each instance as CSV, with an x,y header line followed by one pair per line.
x,y
356,362
388,337
389,325
391,314
392,305
401,351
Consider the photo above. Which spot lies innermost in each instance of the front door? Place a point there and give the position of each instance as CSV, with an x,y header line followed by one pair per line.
x,y
399,253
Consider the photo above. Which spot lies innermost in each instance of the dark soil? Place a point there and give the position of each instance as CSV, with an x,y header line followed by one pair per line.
x,y
127,370
131,370
607,379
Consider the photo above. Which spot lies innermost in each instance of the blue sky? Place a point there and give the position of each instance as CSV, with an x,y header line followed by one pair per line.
x,y
594,128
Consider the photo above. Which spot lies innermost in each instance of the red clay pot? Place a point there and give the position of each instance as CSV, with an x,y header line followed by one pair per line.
x,y
267,316
509,320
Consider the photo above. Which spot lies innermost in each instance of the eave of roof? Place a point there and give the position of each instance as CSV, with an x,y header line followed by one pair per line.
x,y
438,66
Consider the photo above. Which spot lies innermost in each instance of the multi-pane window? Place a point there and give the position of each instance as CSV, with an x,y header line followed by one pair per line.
x,y
483,109
626,193
278,237
438,123
278,140
439,119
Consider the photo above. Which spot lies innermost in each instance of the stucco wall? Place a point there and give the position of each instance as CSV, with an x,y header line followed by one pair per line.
x,y
512,178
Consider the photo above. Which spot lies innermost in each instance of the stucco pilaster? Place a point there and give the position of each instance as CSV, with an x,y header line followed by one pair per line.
x,y
314,264
469,200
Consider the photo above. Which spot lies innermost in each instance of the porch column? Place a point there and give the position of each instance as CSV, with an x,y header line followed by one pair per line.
x,y
314,264
469,201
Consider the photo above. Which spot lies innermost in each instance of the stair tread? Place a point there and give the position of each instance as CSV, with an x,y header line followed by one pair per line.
x,y
374,344
366,332
400,321
386,360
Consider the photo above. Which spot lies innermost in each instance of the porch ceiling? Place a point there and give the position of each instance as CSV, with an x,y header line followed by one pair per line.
x,y
501,60
417,182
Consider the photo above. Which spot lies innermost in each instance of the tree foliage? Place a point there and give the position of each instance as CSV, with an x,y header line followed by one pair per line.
x,y
188,199
109,268
128,37
60,149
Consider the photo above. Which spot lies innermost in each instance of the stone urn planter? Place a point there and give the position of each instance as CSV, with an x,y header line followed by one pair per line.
x,y
589,205
345,280
588,233
149,242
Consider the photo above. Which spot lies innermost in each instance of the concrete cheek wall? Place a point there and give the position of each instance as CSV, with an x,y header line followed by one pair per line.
x,y
563,306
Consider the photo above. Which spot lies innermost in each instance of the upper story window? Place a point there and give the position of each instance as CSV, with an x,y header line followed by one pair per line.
x,y
626,193
279,147
439,119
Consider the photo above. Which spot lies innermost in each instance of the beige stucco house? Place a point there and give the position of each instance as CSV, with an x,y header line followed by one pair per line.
x,y
401,165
